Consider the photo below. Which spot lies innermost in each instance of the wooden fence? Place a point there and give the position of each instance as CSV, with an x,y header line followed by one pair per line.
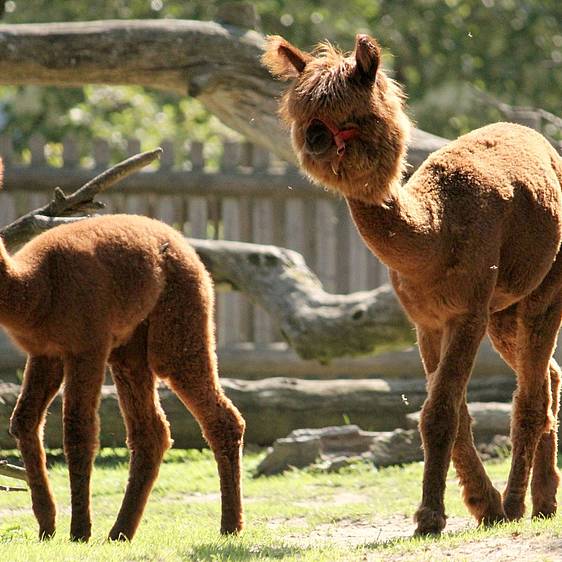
x,y
250,197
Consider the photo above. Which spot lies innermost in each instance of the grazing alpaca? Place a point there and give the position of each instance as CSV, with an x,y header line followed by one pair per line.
x,y
472,243
128,291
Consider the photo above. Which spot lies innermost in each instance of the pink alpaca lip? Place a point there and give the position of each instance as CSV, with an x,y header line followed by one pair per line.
x,y
339,136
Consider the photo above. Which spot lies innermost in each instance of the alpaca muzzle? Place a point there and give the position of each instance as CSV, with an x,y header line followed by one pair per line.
x,y
321,135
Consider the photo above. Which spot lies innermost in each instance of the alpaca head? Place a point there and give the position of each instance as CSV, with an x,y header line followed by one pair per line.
x,y
347,124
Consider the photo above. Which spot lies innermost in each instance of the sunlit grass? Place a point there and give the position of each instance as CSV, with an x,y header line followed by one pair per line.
x,y
283,515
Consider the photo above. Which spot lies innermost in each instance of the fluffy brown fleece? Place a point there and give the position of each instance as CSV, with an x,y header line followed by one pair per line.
x,y
472,242
128,291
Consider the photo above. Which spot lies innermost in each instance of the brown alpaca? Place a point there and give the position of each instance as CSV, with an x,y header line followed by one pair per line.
x,y
128,291
472,242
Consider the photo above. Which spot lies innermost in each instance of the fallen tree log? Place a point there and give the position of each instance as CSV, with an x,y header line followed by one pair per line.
x,y
218,63
273,407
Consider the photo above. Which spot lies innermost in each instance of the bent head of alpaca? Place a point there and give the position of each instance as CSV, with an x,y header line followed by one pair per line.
x,y
347,122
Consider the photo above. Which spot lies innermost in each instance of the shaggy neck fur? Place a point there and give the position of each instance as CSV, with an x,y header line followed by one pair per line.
x,y
389,216
8,291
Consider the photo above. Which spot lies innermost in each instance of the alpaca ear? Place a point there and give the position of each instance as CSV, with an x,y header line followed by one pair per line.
x,y
367,57
283,59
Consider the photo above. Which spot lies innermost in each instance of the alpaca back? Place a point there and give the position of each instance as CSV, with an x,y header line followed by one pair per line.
x,y
95,277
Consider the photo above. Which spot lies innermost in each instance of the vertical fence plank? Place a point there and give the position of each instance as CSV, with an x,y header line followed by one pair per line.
x,y
246,235
167,158
342,247
294,224
6,149
166,208
227,220
7,200
229,304
359,257
71,152
36,146
133,147
325,238
196,156
198,216
102,154
262,221
114,199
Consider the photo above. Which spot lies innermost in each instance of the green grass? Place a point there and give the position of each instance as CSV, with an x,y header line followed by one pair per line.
x,y
296,516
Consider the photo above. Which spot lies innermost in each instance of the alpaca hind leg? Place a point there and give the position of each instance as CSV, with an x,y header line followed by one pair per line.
x,y
545,476
148,433
480,496
41,381
439,422
181,350
223,429
532,408
83,378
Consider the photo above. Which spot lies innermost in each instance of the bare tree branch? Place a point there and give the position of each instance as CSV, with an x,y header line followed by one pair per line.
x,y
81,202
217,63
316,324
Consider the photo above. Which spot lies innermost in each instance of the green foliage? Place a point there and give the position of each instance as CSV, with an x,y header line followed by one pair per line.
x,y
441,50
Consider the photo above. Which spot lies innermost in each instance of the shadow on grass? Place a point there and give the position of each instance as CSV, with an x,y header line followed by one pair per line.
x,y
233,551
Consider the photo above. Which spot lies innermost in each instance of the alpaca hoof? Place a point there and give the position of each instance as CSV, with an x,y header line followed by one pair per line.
x,y
119,536
430,523
487,510
80,535
231,530
46,534
231,527
514,508
492,519
544,511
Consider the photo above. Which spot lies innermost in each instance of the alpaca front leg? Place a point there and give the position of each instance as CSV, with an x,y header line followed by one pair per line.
x,y
83,380
41,381
480,496
440,416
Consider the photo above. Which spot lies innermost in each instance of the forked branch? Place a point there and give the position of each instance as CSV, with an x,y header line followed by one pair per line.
x,y
78,204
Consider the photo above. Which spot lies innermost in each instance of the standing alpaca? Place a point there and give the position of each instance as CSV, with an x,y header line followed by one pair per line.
x,y
472,243
128,291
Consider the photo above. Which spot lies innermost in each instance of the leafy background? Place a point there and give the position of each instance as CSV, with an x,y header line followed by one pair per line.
x,y
456,58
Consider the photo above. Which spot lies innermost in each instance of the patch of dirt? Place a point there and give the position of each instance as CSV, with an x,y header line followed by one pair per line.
x,y
353,532
492,549
373,535
342,498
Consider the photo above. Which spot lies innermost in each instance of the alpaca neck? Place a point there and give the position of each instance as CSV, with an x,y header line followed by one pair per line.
x,y
399,231
13,292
